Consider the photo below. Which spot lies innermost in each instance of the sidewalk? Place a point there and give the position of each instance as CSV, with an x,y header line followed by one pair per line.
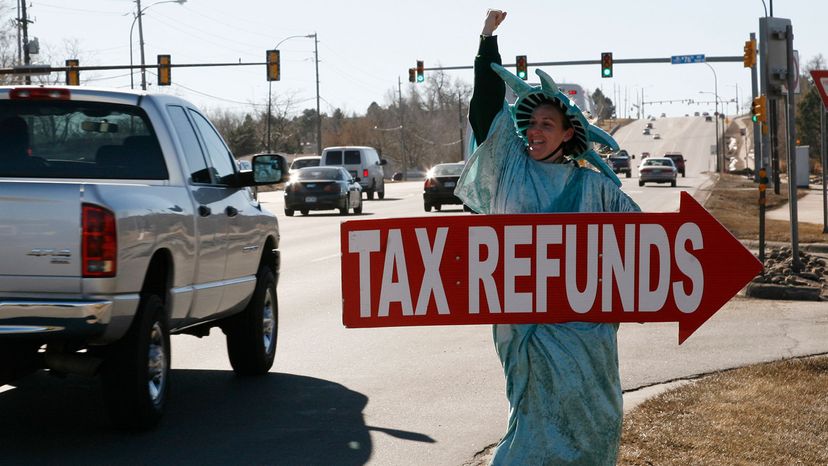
x,y
808,208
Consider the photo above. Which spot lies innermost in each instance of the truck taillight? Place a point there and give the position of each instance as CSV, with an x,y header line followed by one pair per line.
x,y
365,173
99,248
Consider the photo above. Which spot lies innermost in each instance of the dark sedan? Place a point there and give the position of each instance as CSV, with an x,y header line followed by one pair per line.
x,y
438,188
322,188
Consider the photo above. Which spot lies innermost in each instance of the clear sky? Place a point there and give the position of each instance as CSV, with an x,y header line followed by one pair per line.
x,y
366,46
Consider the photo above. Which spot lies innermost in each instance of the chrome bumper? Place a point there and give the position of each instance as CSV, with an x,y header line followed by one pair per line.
x,y
57,318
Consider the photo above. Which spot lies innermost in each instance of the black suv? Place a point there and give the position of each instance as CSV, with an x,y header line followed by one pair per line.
x,y
620,162
678,160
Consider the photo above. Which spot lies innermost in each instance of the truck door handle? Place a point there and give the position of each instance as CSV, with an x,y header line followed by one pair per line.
x,y
204,211
231,211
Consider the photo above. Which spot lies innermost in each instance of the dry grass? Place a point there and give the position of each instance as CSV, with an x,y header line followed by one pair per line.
x,y
773,413
734,203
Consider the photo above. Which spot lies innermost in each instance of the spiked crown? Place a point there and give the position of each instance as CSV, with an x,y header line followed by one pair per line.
x,y
529,97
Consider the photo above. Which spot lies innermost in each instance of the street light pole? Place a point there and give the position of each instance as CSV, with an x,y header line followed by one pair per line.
x,y
270,89
719,158
141,40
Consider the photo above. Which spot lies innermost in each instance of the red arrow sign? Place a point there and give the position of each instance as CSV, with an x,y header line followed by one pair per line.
x,y
542,268
821,83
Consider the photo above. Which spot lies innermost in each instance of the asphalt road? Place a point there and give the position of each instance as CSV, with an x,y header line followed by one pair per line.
x,y
401,396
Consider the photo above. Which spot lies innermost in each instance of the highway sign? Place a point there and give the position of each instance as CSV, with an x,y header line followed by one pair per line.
x,y
821,83
541,268
682,59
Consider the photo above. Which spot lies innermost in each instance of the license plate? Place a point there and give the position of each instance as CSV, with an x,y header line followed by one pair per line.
x,y
449,184
310,199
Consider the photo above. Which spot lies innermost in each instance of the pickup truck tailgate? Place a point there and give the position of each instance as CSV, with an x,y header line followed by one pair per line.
x,y
40,229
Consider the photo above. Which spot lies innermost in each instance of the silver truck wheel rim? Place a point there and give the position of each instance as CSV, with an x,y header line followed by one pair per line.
x,y
157,363
268,322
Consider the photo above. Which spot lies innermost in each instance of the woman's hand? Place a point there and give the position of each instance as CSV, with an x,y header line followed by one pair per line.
x,y
493,20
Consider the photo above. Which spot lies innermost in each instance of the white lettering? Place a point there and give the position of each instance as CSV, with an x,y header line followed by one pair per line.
x,y
364,243
617,271
581,301
689,265
432,282
483,271
514,267
653,235
544,266
392,291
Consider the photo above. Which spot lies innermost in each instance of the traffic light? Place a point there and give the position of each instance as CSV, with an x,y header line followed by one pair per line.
x,y
773,36
164,70
520,64
273,69
750,53
759,109
420,71
606,65
412,75
72,75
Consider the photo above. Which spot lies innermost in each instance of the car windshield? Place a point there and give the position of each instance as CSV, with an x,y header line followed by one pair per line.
x,y
302,163
447,170
320,173
658,163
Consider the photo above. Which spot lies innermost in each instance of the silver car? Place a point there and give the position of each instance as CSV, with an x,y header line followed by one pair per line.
x,y
657,170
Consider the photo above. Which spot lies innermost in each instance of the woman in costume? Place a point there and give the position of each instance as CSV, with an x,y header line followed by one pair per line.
x,y
562,380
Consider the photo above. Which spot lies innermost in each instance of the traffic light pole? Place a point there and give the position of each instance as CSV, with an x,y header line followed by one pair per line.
x,y
758,156
792,181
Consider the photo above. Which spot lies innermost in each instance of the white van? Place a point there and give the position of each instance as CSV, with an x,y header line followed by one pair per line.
x,y
361,162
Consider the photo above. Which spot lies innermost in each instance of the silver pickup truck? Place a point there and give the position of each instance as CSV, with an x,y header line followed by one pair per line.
x,y
124,218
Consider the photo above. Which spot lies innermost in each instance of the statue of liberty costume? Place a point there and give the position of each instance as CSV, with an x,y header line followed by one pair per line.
x,y
562,380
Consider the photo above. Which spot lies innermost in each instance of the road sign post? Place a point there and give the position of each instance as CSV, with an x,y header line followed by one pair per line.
x,y
544,268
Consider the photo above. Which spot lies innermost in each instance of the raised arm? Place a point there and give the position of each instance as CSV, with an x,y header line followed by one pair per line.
x,y
489,90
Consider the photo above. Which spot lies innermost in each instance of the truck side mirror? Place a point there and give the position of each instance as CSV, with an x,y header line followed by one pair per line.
x,y
269,169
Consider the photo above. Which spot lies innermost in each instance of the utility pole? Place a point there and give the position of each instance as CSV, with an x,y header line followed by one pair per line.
x,y
318,113
24,24
402,131
460,125
141,44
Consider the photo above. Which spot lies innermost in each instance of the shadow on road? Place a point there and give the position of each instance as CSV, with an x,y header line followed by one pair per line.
x,y
213,418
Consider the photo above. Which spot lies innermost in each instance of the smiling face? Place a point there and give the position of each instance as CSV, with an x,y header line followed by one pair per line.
x,y
546,132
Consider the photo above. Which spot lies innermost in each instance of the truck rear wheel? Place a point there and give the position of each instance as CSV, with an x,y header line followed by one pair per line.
x,y
137,368
251,334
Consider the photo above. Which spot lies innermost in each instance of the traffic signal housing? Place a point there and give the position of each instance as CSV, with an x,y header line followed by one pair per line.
x,y
164,70
520,64
759,109
72,75
274,71
750,53
420,71
606,65
412,75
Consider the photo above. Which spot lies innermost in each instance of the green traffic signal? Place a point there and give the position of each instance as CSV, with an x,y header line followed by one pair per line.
x,y
521,65
606,65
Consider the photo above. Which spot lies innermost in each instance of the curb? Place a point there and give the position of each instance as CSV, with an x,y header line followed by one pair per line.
x,y
783,292
819,248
